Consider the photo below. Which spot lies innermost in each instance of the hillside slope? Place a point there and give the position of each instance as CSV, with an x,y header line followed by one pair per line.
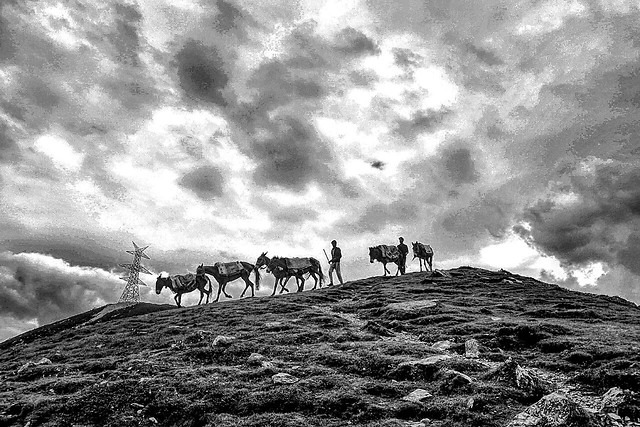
x,y
348,354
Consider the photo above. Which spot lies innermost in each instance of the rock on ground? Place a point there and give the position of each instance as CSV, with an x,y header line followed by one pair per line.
x,y
471,349
418,395
555,410
223,341
283,378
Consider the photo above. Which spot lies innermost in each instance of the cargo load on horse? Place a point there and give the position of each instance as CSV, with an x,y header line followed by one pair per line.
x,y
385,254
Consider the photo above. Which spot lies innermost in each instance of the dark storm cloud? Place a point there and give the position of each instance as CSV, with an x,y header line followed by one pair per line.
x,y
353,42
459,164
486,56
53,85
7,44
33,288
228,16
292,215
9,150
293,156
202,73
406,58
206,182
599,226
379,215
125,38
363,78
421,121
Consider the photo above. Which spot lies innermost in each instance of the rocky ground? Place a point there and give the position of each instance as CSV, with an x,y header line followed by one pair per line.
x,y
463,347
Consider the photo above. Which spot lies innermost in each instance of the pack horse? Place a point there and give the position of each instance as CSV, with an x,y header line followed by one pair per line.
x,y
285,268
225,272
423,253
385,254
183,284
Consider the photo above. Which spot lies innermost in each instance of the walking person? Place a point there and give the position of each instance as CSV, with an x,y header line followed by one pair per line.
x,y
404,250
334,262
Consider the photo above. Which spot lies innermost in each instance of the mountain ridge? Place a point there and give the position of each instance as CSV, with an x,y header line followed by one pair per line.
x,y
355,353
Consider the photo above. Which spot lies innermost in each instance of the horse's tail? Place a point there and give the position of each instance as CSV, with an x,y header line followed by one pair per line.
x,y
256,271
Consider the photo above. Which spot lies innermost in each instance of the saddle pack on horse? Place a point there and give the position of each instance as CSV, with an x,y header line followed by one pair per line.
x,y
390,252
184,282
424,250
229,268
297,263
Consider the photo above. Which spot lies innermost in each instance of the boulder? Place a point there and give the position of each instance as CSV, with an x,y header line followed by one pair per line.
x,y
622,403
284,378
453,380
531,383
442,345
428,361
471,349
526,380
418,396
223,341
555,410
423,369
255,359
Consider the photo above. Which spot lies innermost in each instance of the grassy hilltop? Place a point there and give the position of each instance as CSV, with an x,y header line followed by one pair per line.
x,y
349,351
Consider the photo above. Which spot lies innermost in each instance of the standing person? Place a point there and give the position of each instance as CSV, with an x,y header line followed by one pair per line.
x,y
404,250
334,262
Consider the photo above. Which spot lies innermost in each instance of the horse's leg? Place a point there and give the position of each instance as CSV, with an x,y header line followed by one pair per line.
x,y
201,296
275,286
178,299
384,264
208,292
430,263
301,284
315,279
284,285
221,283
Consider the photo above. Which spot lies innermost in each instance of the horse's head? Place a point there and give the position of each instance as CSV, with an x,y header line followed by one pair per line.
x,y
262,260
372,254
416,249
275,263
200,270
161,282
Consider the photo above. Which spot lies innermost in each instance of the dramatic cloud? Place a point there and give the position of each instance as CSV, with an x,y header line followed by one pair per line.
x,y
201,72
206,181
499,133
46,289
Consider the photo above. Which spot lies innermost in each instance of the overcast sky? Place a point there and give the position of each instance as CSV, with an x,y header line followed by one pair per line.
x,y
502,133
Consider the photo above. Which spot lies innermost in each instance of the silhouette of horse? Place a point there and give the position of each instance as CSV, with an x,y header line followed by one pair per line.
x,y
223,279
424,253
285,268
385,254
183,284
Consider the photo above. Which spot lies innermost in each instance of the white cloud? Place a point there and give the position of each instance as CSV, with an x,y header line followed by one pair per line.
x,y
60,152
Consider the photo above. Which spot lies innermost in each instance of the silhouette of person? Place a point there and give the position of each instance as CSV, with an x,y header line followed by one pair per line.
x,y
404,250
334,263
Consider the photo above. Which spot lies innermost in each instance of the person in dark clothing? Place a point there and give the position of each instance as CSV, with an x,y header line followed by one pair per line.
x,y
334,262
404,250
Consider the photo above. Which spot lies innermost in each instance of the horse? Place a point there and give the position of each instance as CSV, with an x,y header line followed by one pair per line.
x,y
223,279
392,255
282,269
183,284
424,253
